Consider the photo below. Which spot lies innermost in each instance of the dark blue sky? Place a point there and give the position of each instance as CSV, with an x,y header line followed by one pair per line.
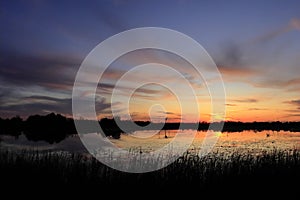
x,y
44,42
76,27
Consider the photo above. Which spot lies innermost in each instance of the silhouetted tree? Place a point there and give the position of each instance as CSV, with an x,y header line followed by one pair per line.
x,y
51,128
13,126
55,127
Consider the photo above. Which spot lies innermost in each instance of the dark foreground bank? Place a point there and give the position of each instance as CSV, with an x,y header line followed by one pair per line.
x,y
276,171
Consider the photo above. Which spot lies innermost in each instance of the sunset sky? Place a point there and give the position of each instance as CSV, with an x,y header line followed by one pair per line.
x,y
255,45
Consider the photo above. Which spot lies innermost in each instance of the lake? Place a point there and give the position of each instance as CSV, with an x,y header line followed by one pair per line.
x,y
245,142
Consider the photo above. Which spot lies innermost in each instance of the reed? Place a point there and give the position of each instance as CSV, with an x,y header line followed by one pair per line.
x,y
276,168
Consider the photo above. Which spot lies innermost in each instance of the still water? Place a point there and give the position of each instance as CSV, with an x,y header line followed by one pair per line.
x,y
148,141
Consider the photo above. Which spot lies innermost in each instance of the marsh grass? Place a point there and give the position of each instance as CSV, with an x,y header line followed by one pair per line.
x,y
275,169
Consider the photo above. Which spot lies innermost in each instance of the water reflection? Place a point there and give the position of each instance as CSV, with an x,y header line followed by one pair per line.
x,y
245,141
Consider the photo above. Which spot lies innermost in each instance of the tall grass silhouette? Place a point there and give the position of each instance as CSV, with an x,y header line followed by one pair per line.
x,y
276,168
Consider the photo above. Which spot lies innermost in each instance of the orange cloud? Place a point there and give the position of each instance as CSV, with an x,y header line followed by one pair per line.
x,y
237,71
248,100
294,24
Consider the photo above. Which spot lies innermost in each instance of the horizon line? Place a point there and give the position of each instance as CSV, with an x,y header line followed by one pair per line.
x,y
224,121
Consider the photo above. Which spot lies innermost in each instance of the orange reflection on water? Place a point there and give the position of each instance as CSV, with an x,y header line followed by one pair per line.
x,y
228,142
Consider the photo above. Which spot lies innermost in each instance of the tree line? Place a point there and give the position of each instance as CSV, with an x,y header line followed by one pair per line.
x,y
54,128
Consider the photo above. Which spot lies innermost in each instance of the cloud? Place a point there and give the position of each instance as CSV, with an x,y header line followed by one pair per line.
x,y
238,62
248,100
293,24
5,94
44,104
295,103
232,54
147,91
233,63
293,112
276,83
232,71
107,88
230,104
295,81
111,19
167,112
254,109
126,62
292,116
144,56
38,105
113,74
99,15
50,72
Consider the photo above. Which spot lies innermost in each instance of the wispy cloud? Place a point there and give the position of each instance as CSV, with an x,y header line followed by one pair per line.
x,y
44,104
272,83
256,109
230,104
139,57
108,88
50,72
294,102
237,71
168,113
294,112
248,100
249,63
38,105
233,64
293,24
291,116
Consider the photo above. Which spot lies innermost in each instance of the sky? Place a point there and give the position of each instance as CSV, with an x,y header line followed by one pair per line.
x,y
255,45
